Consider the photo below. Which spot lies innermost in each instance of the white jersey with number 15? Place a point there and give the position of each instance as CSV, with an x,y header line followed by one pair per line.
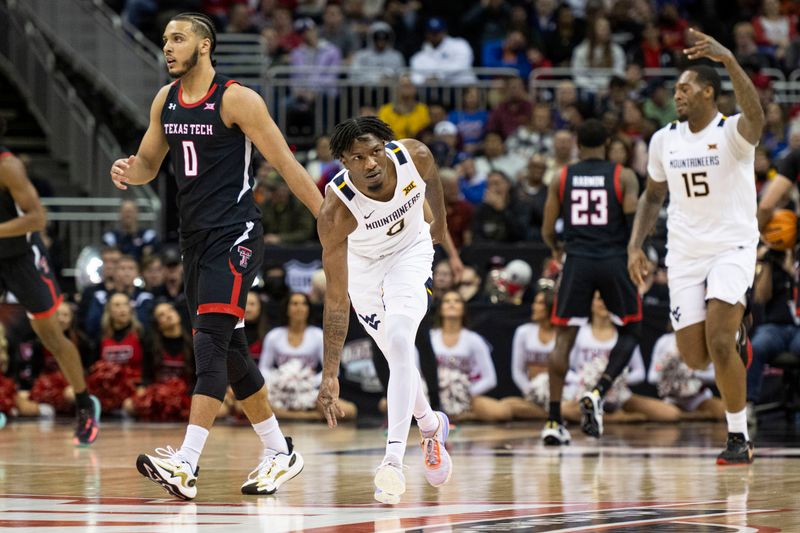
x,y
712,192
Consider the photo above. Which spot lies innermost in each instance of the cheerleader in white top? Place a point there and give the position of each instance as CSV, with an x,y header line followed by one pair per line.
x,y
533,342
466,369
291,362
587,361
680,385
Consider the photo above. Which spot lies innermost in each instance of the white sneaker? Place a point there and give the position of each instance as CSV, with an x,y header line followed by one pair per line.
x,y
438,465
171,471
273,471
390,483
555,434
592,409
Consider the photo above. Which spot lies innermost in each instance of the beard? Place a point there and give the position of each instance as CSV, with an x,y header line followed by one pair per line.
x,y
188,65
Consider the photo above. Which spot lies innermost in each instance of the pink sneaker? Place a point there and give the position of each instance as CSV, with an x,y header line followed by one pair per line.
x,y
438,466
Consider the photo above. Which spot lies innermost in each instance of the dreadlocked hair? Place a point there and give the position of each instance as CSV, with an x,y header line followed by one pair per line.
x,y
347,132
203,26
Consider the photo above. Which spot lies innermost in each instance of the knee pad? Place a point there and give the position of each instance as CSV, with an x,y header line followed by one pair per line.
x,y
211,342
243,374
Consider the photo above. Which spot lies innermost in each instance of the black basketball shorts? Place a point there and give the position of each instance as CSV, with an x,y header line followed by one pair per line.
x,y
579,280
31,279
220,266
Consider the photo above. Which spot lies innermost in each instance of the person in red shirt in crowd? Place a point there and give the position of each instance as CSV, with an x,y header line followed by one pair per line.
x,y
121,340
673,28
513,111
459,211
773,29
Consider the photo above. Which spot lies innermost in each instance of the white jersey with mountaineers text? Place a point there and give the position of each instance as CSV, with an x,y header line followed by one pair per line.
x,y
710,175
386,227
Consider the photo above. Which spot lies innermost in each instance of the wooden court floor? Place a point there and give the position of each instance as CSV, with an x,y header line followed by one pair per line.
x,y
642,478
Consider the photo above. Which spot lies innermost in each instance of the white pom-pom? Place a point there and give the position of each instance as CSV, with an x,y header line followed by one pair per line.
x,y
589,374
454,391
291,387
677,379
539,391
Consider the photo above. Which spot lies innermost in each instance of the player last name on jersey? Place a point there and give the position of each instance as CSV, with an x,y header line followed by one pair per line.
x,y
189,129
693,162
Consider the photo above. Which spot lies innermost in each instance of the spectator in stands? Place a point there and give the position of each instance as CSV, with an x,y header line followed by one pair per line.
x,y
109,255
444,144
566,96
128,237
285,219
406,115
470,285
442,57
471,183
437,113
121,334
322,166
274,54
318,53
442,279
379,60
172,290
543,21
499,218
650,53
659,105
153,274
764,168
459,211
532,194
745,48
487,21
336,30
564,153
791,61
168,352
125,277
496,157
514,110
559,45
508,52
407,25
465,365
256,324
774,289
239,20
776,131
672,27
216,9
597,51
619,150
288,38
470,120
535,137
774,31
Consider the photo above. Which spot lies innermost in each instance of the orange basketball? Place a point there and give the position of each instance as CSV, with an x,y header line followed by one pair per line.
x,y
781,231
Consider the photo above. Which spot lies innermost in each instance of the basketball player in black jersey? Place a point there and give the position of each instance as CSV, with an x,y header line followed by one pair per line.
x,y
596,200
25,271
210,124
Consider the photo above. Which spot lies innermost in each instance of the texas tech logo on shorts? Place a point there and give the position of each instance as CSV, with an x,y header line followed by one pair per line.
x,y
244,254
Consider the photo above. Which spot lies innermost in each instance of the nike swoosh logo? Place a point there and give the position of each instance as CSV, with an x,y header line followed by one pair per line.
x,y
367,216
395,442
673,151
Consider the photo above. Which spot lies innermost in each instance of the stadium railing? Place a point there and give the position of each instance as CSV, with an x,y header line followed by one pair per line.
x,y
104,48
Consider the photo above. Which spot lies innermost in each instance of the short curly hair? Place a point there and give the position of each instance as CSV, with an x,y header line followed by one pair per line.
x,y
347,132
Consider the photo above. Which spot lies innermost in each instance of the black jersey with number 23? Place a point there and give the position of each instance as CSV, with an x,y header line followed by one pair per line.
x,y
211,161
591,207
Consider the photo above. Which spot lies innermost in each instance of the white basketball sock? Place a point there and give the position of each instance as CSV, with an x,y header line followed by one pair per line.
x,y
427,420
271,435
193,444
737,422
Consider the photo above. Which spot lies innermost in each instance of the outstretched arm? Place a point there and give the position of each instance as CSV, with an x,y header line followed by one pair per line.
x,y
752,122
143,167
245,108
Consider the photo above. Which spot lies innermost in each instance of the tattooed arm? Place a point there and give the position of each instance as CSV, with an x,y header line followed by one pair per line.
x,y
334,225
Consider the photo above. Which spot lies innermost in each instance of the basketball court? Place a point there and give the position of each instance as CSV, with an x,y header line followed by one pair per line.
x,y
639,478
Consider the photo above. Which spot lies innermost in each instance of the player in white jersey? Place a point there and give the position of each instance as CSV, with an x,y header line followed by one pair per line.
x,y
378,247
706,162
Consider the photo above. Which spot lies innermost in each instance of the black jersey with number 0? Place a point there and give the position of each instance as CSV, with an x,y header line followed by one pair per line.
x,y
211,161
591,207
10,246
